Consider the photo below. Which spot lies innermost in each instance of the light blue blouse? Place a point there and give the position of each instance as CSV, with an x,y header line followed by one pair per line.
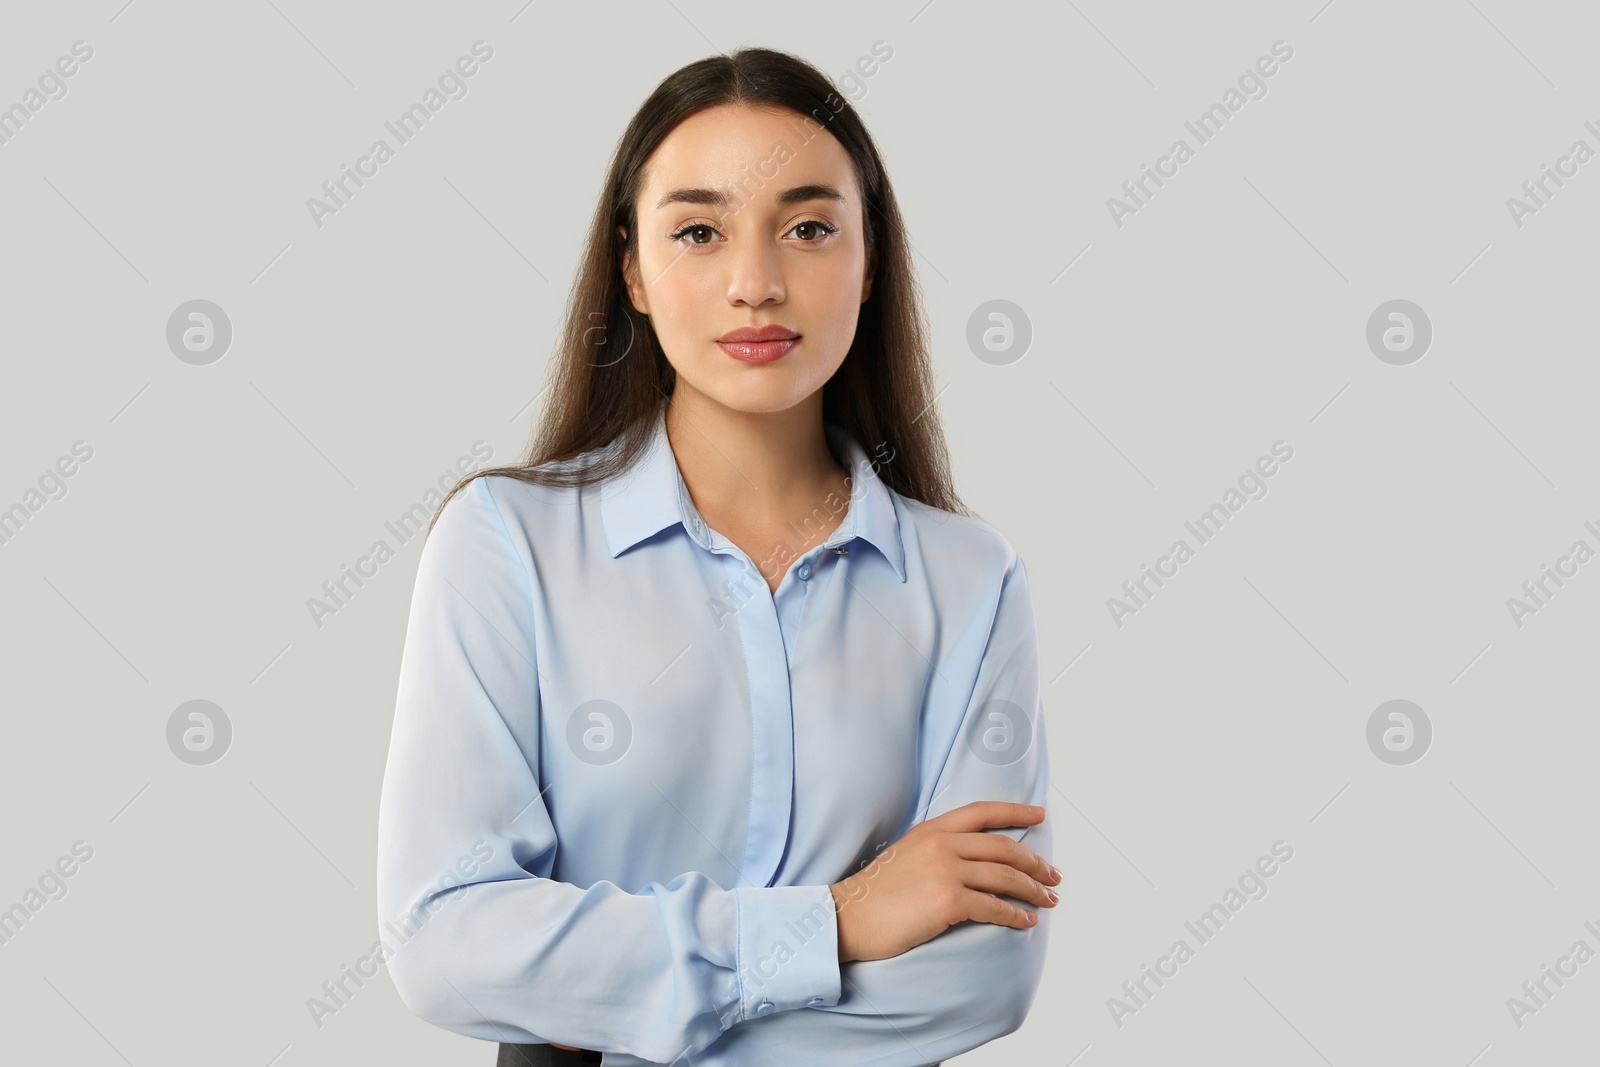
x,y
623,772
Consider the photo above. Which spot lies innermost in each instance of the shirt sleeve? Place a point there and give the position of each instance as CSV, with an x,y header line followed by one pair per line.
x,y
478,939
976,981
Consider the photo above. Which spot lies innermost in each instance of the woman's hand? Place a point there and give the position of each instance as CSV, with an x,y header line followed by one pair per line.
x,y
942,872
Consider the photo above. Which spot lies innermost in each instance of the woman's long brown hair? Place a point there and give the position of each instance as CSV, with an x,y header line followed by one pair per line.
x,y
605,402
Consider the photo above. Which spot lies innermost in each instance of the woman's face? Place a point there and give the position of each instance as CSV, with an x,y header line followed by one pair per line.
x,y
744,223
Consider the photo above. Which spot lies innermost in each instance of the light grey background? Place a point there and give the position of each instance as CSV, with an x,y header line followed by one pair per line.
x,y
1167,354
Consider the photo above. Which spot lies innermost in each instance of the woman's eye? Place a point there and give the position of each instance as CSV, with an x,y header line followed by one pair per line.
x,y
811,231
697,227
820,231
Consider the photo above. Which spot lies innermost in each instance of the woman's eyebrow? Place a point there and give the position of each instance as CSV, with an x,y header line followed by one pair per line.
x,y
717,198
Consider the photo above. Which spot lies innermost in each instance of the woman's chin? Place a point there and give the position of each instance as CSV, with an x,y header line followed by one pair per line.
x,y
756,397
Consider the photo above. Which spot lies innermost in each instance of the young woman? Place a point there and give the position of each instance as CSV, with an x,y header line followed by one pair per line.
x,y
719,730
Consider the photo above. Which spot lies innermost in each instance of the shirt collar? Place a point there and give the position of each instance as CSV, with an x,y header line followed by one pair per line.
x,y
650,496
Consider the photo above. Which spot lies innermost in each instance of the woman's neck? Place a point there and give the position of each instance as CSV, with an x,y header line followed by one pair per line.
x,y
752,470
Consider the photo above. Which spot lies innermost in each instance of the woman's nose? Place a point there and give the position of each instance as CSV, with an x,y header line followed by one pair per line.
x,y
755,274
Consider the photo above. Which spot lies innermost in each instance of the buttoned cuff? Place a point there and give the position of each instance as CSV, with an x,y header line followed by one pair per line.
x,y
788,949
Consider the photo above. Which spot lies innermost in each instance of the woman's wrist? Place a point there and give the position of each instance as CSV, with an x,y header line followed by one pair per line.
x,y
838,913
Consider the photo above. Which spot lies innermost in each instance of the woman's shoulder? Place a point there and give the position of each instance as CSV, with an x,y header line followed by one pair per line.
x,y
533,505
949,538
512,498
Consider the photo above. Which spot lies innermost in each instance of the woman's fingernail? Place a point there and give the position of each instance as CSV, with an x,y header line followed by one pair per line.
x,y
1056,873
1051,894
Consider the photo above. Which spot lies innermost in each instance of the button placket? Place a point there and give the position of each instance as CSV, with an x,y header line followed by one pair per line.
x,y
767,651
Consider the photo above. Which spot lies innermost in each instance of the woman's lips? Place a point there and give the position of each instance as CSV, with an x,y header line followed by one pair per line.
x,y
758,351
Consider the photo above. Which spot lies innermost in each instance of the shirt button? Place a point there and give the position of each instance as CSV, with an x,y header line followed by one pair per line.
x,y
764,1007
805,571
813,1002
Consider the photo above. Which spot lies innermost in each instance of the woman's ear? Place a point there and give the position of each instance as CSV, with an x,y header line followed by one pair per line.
x,y
629,275
872,269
